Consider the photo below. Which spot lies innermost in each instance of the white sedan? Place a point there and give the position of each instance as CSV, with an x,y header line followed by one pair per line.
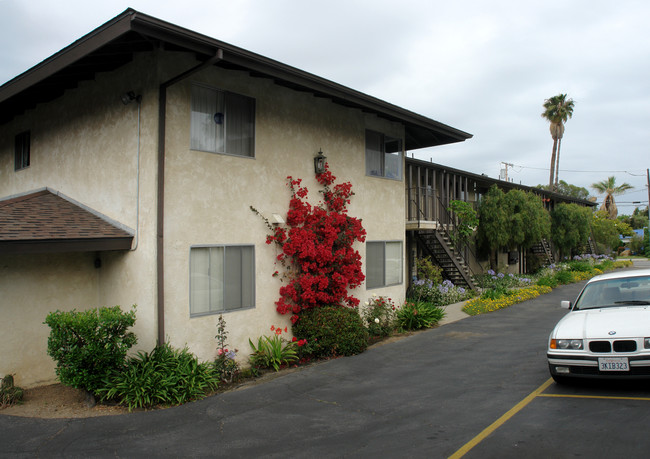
x,y
606,333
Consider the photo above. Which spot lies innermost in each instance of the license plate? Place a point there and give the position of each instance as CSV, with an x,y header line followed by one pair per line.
x,y
613,364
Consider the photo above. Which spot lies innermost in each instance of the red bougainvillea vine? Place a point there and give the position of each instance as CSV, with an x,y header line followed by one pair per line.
x,y
316,248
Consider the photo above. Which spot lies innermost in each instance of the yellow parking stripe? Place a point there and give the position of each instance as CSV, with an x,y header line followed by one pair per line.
x,y
646,399
499,422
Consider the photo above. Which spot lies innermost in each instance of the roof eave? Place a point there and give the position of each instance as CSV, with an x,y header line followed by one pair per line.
x,y
421,131
65,245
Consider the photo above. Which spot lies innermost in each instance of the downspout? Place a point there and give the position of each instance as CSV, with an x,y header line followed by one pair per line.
x,y
160,233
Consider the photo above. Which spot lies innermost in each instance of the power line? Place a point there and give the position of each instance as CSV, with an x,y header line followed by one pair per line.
x,y
587,172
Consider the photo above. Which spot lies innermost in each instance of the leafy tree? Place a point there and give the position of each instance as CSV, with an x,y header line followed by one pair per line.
x,y
571,225
609,189
567,189
606,231
513,219
493,223
467,221
557,110
638,219
528,219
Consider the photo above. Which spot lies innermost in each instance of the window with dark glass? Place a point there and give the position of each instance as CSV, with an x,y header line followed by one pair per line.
x,y
383,155
22,151
222,122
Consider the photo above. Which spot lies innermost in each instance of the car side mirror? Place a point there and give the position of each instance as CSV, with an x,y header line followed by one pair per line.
x,y
565,304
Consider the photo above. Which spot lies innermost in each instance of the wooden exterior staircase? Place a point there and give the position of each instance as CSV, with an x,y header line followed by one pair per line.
x,y
439,247
543,247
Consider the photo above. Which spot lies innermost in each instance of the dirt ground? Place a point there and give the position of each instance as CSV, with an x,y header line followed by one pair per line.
x,y
58,401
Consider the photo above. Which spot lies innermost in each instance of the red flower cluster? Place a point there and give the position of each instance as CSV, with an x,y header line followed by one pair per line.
x,y
278,330
299,342
317,248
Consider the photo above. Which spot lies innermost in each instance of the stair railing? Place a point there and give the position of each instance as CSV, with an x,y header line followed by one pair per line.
x,y
462,247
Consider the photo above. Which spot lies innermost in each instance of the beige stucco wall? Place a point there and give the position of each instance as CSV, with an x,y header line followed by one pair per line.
x,y
32,286
85,145
208,196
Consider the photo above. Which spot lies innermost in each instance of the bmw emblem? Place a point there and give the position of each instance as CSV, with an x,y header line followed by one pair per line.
x,y
612,332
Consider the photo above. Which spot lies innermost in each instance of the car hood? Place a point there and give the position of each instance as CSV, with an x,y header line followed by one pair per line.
x,y
627,322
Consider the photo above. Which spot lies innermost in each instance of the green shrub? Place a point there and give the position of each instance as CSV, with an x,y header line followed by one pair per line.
x,y
9,394
415,315
332,331
166,376
88,345
580,266
427,269
564,277
548,281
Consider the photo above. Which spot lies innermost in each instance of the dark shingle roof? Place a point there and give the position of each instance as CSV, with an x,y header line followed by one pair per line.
x,y
43,221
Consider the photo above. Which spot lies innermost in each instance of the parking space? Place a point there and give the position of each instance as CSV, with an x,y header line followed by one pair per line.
x,y
586,419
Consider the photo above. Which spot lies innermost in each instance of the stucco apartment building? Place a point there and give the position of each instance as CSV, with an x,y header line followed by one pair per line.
x,y
128,164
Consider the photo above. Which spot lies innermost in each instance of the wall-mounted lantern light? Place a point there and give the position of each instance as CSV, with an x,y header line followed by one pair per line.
x,y
129,97
319,162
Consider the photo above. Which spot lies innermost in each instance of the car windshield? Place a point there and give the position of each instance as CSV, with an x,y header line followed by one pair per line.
x,y
627,291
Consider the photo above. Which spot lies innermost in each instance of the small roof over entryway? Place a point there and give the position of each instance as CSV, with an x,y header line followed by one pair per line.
x,y
45,221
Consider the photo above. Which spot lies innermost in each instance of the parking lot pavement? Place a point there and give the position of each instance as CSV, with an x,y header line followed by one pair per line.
x,y
426,395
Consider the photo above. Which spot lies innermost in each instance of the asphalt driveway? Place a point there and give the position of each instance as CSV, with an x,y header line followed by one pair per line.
x,y
426,395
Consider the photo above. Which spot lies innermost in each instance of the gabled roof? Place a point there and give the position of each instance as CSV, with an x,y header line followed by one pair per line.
x,y
114,44
43,221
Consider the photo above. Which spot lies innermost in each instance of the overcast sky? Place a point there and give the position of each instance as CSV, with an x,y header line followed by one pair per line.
x,y
484,67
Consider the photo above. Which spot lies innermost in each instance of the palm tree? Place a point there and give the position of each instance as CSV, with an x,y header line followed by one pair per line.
x,y
609,188
557,110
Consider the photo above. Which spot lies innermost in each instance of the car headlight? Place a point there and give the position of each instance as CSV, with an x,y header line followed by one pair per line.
x,y
573,344
646,343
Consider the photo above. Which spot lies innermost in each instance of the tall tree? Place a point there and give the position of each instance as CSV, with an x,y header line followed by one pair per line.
x,y
609,189
557,110
567,189
510,220
571,226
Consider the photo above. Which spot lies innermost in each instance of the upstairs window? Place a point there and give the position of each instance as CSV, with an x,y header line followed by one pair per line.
x,y
383,156
222,122
22,151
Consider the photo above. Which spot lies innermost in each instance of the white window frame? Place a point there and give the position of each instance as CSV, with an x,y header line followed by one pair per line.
x,y
384,155
378,272
217,292
216,128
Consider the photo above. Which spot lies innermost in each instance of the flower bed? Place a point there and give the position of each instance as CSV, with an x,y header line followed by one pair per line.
x,y
482,305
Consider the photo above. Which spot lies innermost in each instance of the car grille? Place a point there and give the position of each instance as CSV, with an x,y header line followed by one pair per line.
x,y
618,346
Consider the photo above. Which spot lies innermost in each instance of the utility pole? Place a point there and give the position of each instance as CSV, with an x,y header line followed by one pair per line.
x,y
506,173
647,171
